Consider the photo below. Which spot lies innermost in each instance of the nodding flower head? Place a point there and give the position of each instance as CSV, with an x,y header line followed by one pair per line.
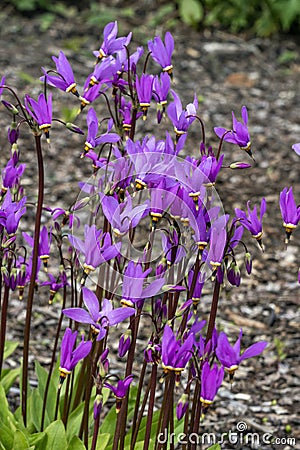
x,y
230,357
41,111
239,134
63,78
251,221
289,210
120,391
111,44
162,52
144,86
211,380
70,356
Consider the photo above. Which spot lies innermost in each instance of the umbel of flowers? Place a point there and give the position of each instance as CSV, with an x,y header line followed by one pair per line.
x,y
113,281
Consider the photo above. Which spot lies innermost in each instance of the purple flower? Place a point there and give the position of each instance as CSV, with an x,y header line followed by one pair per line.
x,y
97,247
133,289
11,213
251,221
120,391
162,52
182,406
41,111
70,356
12,174
296,148
218,239
111,44
93,140
161,88
173,250
64,78
175,354
229,356
211,380
44,244
239,134
122,216
289,210
2,83
99,320
234,274
144,87
162,196
181,118
55,283
90,95
124,343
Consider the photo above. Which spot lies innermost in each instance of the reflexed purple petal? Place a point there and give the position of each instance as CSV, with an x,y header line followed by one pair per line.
x,y
91,302
78,314
254,350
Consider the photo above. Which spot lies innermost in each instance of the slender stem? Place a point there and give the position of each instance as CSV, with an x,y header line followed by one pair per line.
x,y
33,275
3,324
151,407
53,359
213,312
137,402
57,402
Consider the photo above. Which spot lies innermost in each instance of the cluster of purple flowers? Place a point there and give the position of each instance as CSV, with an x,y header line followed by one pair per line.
x,y
139,185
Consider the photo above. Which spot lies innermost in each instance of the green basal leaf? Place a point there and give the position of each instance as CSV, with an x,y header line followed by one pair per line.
x,y
6,436
38,440
36,410
8,377
56,436
74,422
214,447
191,11
20,441
9,348
102,441
42,375
6,417
76,444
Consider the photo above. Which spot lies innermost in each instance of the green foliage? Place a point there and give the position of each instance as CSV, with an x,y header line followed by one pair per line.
x,y
262,17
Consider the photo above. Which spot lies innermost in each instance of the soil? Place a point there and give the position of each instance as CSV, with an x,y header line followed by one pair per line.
x,y
227,71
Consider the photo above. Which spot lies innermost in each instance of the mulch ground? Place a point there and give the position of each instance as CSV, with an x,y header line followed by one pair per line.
x,y
227,72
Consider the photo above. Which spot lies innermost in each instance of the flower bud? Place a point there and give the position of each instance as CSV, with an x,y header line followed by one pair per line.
x,y
248,262
74,128
239,165
124,343
98,406
11,108
182,406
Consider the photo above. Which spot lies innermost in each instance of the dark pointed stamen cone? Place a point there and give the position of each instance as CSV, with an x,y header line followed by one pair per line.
x,y
21,292
51,296
83,278
288,234
118,404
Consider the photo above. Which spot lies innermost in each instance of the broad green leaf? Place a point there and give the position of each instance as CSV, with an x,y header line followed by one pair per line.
x,y
8,378
56,436
6,436
20,441
38,440
214,447
191,11
102,441
36,410
42,375
9,348
74,422
6,417
76,444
